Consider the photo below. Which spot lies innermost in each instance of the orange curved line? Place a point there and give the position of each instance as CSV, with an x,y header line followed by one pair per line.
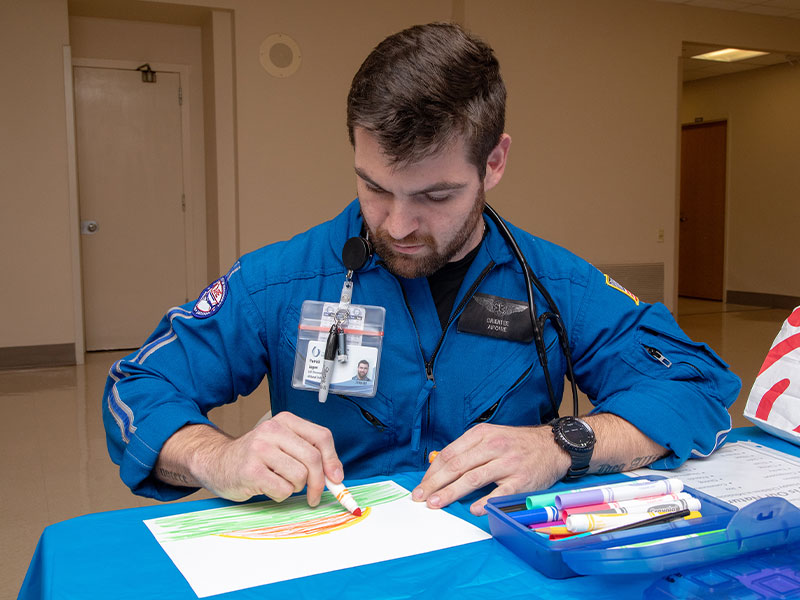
x,y
304,529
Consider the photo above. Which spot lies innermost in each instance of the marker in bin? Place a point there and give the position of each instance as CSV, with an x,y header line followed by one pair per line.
x,y
597,522
629,491
655,504
549,498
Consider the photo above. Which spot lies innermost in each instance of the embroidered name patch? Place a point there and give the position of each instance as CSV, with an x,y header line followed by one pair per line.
x,y
210,301
497,317
611,283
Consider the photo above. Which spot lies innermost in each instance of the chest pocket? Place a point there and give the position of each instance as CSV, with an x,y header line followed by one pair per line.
x,y
511,387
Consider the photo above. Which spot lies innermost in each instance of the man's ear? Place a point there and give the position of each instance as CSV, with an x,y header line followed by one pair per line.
x,y
496,163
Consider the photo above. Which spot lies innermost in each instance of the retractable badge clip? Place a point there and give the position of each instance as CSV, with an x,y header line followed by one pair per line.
x,y
355,254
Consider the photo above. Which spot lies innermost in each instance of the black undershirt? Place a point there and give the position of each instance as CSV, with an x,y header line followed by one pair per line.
x,y
445,282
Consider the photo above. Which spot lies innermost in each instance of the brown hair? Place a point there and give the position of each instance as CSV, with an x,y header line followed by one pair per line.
x,y
420,88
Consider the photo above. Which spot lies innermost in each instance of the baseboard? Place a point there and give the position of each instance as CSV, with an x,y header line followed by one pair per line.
x,y
27,357
758,299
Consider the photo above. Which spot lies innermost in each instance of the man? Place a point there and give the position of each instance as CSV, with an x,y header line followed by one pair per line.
x,y
361,372
426,114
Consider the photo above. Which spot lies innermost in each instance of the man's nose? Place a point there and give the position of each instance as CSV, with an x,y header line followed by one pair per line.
x,y
401,220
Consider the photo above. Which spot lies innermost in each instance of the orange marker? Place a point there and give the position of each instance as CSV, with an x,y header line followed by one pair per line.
x,y
344,496
432,455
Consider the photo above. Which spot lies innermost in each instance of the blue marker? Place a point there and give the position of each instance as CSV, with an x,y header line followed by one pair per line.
x,y
544,514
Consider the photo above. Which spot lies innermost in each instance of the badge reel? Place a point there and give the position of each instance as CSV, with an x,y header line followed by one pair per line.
x,y
339,344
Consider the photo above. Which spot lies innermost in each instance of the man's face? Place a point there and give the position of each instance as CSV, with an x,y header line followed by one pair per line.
x,y
419,216
362,370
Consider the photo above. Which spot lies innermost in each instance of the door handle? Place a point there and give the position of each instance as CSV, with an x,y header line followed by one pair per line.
x,y
89,227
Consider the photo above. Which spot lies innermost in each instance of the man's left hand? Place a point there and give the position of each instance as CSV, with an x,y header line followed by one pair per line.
x,y
515,458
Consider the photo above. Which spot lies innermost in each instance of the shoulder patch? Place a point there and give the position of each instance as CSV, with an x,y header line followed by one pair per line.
x,y
611,283
211,300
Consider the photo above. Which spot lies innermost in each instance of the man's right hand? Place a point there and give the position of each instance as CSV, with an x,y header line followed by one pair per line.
x,y
277,458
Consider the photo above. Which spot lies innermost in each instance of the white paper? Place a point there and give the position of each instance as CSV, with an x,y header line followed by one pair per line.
x,y
740,473
214,564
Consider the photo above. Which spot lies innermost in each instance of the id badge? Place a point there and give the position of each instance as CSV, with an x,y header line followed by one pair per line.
x,y
355,370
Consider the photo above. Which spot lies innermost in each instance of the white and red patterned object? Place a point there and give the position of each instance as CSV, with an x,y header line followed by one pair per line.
x,y
774,401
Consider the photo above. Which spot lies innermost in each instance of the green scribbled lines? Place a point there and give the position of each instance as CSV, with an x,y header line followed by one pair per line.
x,y
269,513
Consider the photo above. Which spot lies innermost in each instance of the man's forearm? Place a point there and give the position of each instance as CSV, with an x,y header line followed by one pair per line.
x,y
183,454
620,445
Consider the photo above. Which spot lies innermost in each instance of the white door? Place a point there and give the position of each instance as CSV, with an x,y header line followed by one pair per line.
x,y
133,250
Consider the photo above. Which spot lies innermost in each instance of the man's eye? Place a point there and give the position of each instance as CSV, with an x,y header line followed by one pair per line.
x,y
437,197
374,190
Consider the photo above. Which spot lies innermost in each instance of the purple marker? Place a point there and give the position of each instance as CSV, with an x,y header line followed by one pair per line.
x,y
630,491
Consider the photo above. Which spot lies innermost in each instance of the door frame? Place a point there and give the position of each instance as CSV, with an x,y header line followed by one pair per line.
x,y
194,220
726,218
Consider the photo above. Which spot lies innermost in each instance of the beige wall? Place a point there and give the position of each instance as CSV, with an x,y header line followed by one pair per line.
x,y
594,95
34,201
295,162
763,208
593,110
593,88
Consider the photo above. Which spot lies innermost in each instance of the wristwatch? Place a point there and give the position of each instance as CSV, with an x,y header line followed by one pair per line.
x,y
576,437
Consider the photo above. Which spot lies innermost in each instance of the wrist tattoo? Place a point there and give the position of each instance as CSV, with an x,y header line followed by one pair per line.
x,y
636,463
643,461
607,469
174,476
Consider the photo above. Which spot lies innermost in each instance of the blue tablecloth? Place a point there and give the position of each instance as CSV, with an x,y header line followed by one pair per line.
x,y
114,555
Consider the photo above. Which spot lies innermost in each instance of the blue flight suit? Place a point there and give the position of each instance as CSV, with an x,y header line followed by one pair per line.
x,y
630,358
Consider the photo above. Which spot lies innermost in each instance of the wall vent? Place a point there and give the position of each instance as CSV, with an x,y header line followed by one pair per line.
x,y
645,280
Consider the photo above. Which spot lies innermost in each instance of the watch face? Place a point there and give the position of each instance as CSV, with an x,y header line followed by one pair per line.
x,y
576,433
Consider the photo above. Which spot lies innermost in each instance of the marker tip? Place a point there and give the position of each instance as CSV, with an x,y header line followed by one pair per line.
x,y
357,512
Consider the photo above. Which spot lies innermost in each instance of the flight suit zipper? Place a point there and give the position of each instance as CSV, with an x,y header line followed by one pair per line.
x,y
657,355
429,363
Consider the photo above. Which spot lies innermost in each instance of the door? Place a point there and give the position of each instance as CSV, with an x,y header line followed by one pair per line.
x,y
702,211
133,256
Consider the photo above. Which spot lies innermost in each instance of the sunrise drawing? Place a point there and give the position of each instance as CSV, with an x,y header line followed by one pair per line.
x,y
270,520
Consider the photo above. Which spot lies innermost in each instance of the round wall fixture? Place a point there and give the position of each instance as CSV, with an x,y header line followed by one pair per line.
x,y
279,55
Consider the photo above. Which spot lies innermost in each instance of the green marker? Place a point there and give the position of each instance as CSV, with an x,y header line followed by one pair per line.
x,y
669,539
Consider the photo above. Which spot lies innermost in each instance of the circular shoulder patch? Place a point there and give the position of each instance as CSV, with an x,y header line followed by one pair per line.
x,y
210,301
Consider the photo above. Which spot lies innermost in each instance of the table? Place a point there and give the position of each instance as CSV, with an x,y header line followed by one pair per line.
x,y
114,555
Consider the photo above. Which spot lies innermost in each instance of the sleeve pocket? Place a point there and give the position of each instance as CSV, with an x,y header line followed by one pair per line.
x,y
665,356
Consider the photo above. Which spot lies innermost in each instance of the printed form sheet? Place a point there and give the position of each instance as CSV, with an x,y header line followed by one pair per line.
x,y
740,473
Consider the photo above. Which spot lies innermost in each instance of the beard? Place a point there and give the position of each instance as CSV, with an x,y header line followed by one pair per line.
x,y
423,266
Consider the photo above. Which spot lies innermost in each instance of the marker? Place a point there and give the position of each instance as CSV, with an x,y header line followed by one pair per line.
x,y
562,532
327,364
657,520
670,539
432,455
344,496
656,504
595,521
630,491
537,516
549,498
513,508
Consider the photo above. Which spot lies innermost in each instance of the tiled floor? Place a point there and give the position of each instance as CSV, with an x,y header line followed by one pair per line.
x,y
54,464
